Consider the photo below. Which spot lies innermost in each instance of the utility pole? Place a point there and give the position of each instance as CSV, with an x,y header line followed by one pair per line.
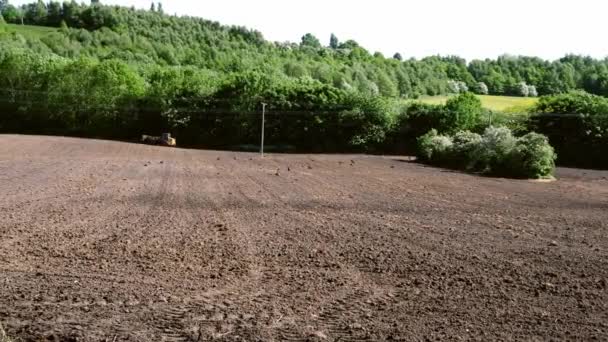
x,y
263,119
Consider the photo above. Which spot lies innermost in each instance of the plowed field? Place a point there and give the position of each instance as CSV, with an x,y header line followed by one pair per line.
x,y
110,241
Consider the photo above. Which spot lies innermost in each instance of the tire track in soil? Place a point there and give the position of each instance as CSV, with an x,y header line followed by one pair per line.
x,y
351,305
172,321
259,298
223,319
166,321
328,321
208,315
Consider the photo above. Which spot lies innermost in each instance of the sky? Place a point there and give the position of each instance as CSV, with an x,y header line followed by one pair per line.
x,y
418,28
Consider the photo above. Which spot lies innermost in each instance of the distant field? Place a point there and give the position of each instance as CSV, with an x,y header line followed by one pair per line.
x,y
30,30
498,103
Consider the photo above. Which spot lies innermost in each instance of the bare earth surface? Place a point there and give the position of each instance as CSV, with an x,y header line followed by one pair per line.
x,y
109,241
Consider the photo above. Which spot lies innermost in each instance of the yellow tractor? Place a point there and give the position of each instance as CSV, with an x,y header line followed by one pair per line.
x,y
164,140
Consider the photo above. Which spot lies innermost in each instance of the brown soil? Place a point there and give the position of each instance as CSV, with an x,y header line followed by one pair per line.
x,y
109,241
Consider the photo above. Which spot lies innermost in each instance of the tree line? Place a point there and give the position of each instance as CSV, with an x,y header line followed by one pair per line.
x,y
151,36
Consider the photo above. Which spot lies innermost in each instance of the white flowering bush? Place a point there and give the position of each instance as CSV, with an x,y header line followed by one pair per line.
x,y
496,152
465,149
533,157
482,89
434,148
495,146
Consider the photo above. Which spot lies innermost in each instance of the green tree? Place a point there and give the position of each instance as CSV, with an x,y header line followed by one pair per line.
x,y
463,112
11,14
333,41
294,69
97,96
54,14
521,89
349,44
386,86
36,13
159,8
153,7
310,40
71,13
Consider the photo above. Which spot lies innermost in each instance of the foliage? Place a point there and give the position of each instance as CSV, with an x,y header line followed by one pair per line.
x,y
144,37
434,148
415,118
496,152
517,122
576,124
464,112
310,41
533,157
482,88
465,149
163,39
333,41
368,122
493,153
521,89
457,87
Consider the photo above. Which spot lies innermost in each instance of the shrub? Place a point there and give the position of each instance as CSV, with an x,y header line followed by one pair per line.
x,y
463,112
482,89
425,145
576,124
494,149
365,125
434,148
517,120
533,157
465,149
496,152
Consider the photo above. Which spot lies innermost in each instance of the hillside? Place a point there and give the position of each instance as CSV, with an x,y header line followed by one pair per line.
x,y
140,37
30,31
